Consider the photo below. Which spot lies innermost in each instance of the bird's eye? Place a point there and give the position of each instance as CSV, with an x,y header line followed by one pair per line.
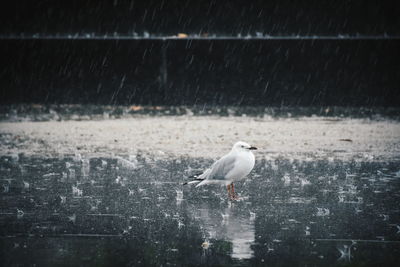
x,y
242,146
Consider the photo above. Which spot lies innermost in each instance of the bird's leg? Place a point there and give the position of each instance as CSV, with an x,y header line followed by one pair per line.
x,y
234,196
229,191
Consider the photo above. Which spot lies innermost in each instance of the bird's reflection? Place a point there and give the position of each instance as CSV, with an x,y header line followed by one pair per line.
x,y
228,224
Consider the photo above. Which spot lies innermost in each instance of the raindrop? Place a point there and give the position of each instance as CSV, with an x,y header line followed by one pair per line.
x,y
20,214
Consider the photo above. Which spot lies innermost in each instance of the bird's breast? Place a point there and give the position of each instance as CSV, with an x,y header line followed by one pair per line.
x,y
243,166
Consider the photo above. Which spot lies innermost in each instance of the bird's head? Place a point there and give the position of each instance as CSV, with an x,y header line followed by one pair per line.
x,y
243,146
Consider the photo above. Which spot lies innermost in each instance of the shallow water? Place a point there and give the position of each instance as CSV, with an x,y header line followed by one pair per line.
x,y
134,210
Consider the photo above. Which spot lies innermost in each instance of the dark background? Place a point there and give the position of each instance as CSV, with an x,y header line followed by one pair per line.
x,y
166,17
359,68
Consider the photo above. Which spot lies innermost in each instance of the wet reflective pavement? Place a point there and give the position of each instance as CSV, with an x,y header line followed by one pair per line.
x,y
133,210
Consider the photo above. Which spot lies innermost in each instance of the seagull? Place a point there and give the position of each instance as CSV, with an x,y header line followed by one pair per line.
x,y
231,168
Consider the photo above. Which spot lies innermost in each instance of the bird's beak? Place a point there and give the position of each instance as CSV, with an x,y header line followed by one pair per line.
x,y
252,148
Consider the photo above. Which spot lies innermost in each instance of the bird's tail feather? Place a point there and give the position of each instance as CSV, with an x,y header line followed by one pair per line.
x,y
192,182
195,181
202,183
199,177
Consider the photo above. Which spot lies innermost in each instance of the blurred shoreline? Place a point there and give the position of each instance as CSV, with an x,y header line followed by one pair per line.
x,y
78,112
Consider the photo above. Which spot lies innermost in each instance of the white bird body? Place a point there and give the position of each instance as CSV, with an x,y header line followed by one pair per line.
x,y
244,164
232,167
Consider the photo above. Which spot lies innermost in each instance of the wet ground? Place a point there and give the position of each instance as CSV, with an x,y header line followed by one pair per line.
x,y
103,186
133,210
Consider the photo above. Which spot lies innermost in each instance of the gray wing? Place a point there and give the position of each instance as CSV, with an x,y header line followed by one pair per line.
x,y
221,168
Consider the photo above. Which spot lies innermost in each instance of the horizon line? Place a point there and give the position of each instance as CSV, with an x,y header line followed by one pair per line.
x,y
191,37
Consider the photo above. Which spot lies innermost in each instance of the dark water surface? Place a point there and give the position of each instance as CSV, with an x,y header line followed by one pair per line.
x,y
241,71
135,211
